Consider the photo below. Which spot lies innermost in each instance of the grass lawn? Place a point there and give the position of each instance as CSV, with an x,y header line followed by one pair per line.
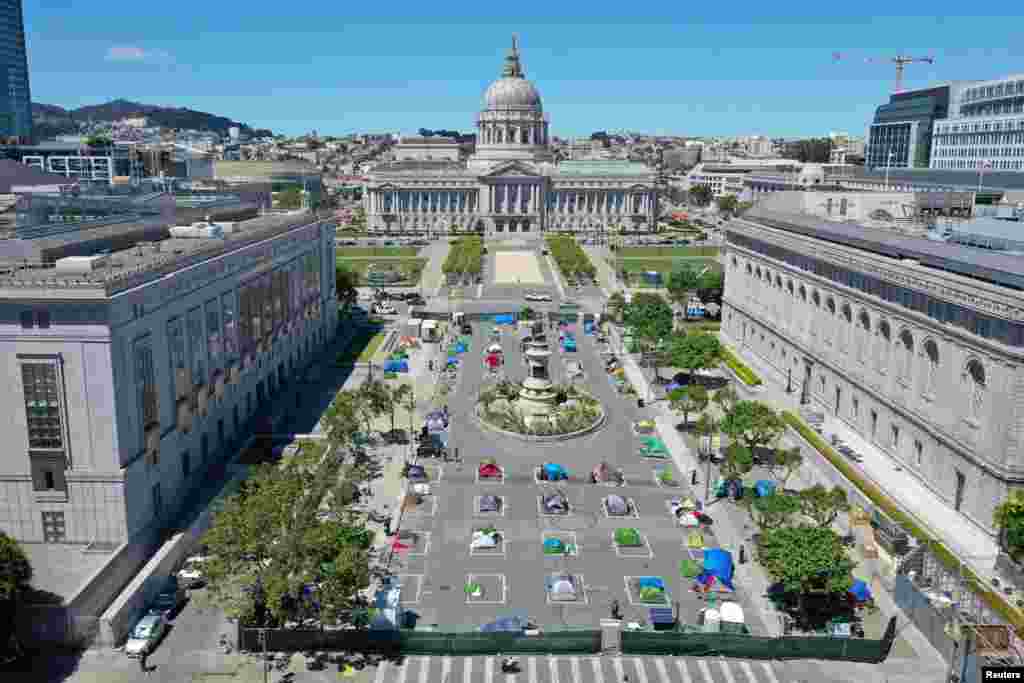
x,y
371,347
667,252
664,265
368,252
411,267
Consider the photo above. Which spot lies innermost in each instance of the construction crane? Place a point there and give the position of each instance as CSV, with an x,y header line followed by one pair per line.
x,y
900,61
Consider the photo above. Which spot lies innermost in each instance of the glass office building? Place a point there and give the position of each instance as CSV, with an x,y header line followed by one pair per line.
x,y
15,98
903,127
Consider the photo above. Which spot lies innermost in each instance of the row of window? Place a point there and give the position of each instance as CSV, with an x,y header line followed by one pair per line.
x,y
1015,138
962,165
998,90
978,127
1007,332
979,152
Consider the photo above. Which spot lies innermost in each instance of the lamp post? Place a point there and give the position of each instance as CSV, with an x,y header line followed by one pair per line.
x,y
888,163
789,380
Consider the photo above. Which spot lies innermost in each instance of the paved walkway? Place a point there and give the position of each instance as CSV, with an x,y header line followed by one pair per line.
x,y
977,549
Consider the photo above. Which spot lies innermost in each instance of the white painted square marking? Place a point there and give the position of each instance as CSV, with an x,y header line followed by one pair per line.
x,y
472,578
426,545
637,602
497,481
542,513
628,554
488,552
581,594
407,579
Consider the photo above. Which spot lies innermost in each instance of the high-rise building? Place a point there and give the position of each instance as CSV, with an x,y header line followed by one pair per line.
x,y
901,134
15,98
985,127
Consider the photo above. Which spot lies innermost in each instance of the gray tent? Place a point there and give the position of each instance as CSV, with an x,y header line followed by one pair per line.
x,y
617,505
489,503
562,587
555,503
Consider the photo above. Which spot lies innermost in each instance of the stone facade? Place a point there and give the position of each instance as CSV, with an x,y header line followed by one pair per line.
x,y
121,397
511,183
946,402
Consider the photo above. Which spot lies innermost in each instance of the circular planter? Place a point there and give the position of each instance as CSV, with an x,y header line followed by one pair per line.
x,y
542,438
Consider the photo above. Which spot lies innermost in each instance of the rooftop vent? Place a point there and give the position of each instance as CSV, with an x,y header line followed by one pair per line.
x,y
80,265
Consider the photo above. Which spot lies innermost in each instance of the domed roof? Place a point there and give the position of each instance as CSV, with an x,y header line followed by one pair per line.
x,y
511,92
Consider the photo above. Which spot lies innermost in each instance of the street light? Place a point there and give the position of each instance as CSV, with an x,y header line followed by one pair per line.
x,y
888,163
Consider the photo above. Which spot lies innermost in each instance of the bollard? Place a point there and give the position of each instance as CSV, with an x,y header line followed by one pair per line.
x,y
693,478
743,554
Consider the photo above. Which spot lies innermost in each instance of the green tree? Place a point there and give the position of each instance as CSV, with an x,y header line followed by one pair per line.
x,y
691,399
290,198
681,283
738,462
823,505
526,313
727,203
701,195
753,423
650,316
785,463
806,559
725,398
15,570
771,512
616,305
710,282
693,352
1009,519
374,401
397,398
346,280
342,419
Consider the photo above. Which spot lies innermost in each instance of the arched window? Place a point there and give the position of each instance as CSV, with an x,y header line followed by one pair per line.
x,y
831,306
778,281
803,293
844,334
975,377
757,271
907,347
865,336
735,263
931,352
816,299
885,333
750,270
789,287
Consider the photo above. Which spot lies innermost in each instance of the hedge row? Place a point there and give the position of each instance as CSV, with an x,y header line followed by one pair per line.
x,y
748,376
466,255
570,257
994,601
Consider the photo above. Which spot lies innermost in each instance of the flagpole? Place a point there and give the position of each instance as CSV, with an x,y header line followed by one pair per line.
x,y
981,174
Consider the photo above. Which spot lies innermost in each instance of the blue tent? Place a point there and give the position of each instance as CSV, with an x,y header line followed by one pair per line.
x,y
504,319
555,472
662,615
860,590
553,545
513,624
672,387
764,487
718,563
652,582
396,366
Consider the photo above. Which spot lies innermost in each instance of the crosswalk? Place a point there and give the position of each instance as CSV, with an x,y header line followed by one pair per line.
x,y
566,669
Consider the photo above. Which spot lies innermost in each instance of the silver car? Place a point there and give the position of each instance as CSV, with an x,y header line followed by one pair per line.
x,y
146,634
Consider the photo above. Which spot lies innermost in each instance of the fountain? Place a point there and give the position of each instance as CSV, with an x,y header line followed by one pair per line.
x,y
537,397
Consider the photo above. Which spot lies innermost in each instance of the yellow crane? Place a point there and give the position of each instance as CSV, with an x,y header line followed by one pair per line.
x,y
900,61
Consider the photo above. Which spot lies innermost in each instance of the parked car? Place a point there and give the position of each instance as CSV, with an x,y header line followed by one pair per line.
x,y
537,296
169,600
144,637
383,308
416,300
191,573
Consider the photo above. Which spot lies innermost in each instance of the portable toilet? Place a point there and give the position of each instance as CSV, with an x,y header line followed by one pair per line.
x,y
413,327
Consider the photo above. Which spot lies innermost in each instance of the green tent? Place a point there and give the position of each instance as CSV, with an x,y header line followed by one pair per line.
x,y
652,594
689,569
627,537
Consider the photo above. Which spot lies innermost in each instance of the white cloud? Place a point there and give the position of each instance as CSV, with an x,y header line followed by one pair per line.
x,y
132,53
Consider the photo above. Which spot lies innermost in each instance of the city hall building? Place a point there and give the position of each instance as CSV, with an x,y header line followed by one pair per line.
x,y
916,344
511,183
129,373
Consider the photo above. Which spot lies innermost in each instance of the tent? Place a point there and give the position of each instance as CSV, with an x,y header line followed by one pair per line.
x,y
860,591
489,503
616,505
493,361
396,366
627,537
764,487
553,472
484,539
504,319
652,589
717,568
489,470
562,587
689,520
511,624
731,612
601,472
689,569
417,472
569,344
644,426
553,546
436,424
555,503
494,348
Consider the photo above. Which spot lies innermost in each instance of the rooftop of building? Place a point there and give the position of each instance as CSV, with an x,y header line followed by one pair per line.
x,y
609,167
153,254
261,169
433,140
954,180
995,267
14,173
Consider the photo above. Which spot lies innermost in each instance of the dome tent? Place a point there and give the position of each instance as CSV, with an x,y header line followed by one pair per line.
x,y
553,472
555,503
628,537
489,471
553,546
562,587
652,589
616,505
489,503
485,538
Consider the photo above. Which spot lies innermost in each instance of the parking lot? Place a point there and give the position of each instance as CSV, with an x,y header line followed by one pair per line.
x,y
511,576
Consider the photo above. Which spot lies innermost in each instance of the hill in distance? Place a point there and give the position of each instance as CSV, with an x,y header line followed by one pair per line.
x,y
49,119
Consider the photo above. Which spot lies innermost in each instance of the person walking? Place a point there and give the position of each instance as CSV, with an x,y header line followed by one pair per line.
x,y
142,663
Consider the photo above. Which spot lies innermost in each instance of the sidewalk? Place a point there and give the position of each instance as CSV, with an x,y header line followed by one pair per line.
x,y
977,549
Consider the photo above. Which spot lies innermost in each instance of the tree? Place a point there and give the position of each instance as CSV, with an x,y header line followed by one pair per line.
x,y
691,399
526,313
374,401
784,464
681,282
771,512
342,419
695,352
1009,519
346,281
725,398
397,398
701,195
650,316
710,284
738,462
290,198
15,570
727,203
754,423
617,304
823,505
806,559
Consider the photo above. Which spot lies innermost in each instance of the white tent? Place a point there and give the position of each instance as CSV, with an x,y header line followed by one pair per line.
x,y
562,587
731,612
689,519
484,540
712,620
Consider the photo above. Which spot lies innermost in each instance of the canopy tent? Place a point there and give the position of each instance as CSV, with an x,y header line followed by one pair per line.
x,y
555,503
435,424
484,539
562,587
494,348
553,472
764,487
616,505
554,546
718,568
396,366
628,537
489,503
689,519
860,591
438,415
489,471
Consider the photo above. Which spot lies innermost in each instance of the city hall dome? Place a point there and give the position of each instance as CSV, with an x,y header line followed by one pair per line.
x,y
512,90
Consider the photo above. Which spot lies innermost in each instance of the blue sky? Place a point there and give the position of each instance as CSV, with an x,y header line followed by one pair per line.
x,y
340,67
